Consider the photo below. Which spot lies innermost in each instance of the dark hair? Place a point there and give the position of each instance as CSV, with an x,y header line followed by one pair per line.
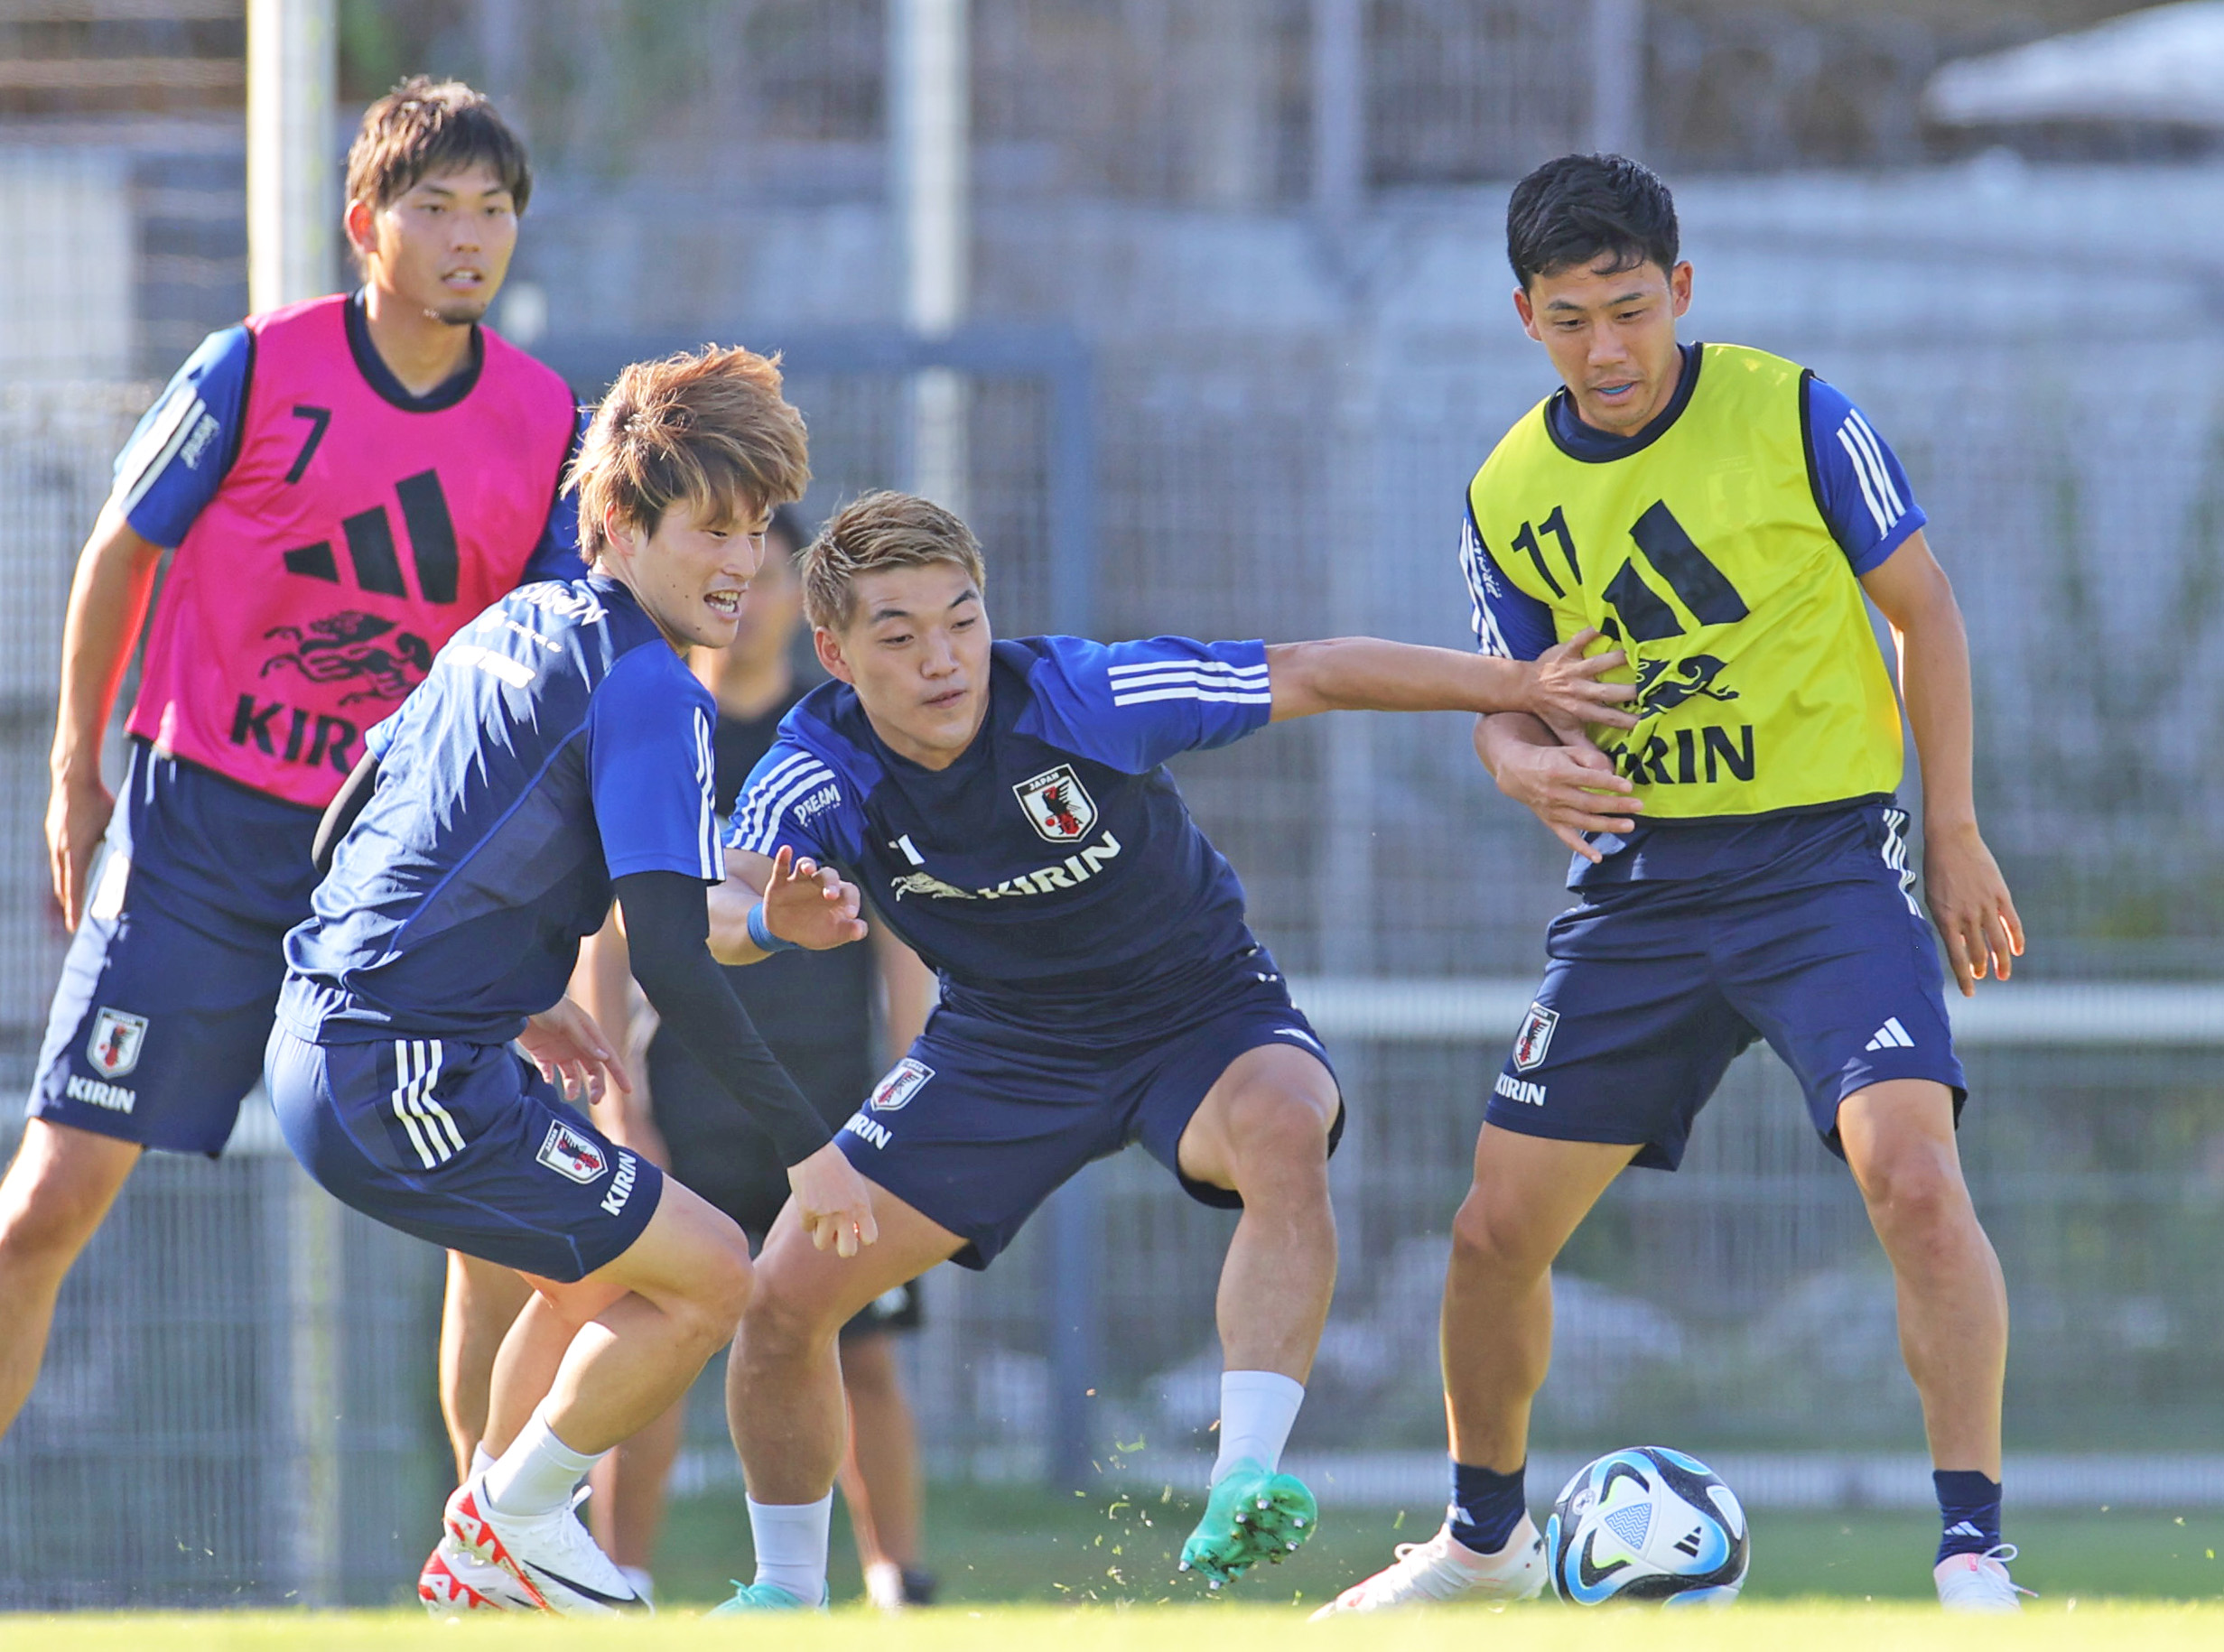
x,y
425,127
790,529
1581,207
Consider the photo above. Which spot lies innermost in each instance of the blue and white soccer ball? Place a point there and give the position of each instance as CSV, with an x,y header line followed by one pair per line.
x,y
1647,1524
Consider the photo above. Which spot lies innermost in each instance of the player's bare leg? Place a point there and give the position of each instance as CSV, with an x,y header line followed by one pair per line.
x,y
1530,1195
1899,1140
879,1477
783,1394
481,1302
610,1352
52,1201
1262,1131
629,1504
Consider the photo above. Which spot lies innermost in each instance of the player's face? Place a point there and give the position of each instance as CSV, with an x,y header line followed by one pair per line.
x,y
1612,338
917,651
443,246
775,609
692,577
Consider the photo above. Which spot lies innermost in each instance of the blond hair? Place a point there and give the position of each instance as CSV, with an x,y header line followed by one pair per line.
x,y
710,431
877,531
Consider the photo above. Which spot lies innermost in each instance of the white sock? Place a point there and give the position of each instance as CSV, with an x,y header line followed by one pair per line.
x,y
538,1473
1257,1410
481,1459
791,1545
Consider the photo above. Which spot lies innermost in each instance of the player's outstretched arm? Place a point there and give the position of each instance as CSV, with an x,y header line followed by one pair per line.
x,y
804,903
1970,899
1572,789
1561,688
108,605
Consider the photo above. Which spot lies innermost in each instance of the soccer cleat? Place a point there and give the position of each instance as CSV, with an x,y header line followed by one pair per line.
x,y
763,1598
1250,1515
1446,1569
891,1587
552,1561
454,1581
1972,1582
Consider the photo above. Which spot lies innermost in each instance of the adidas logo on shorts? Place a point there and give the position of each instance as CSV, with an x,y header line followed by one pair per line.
x,y
1892,1035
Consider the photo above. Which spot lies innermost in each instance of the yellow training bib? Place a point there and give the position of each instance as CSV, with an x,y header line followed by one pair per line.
x,y
1705,556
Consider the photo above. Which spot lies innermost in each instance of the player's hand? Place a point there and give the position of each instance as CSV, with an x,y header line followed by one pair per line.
x,y
564,1043
811,905
1573,790
77,816
834,1201
1565,691
1970,904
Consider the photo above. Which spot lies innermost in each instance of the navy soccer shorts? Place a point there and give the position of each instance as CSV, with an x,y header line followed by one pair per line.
x,y
168,989
464,1146
981,1122
1649,996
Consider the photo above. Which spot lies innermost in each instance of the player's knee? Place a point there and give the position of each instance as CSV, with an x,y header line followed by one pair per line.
x,y
47,1218
1915,1192
1486,1235
781,1322
722,1286
1280,1137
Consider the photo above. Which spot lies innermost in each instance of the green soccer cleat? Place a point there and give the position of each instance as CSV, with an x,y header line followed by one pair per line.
x,y
763,1598
1251,1516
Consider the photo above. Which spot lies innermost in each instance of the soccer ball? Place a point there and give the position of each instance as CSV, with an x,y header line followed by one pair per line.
x,y
1647,1524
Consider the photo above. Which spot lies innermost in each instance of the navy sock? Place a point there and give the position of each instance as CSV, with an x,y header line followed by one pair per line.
x,y
1970,1510
1487,1507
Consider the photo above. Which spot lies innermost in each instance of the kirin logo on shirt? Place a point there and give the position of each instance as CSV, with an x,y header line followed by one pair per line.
x,y
569,1154
1057,806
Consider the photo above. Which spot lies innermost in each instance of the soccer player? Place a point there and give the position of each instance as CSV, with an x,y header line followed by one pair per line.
x,y
1005,806
558,752
1741,864
341,483
816,1012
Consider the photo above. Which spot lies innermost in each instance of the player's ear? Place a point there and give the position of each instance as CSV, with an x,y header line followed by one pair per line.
x,y
1528,312
1679,286
827,645
362,229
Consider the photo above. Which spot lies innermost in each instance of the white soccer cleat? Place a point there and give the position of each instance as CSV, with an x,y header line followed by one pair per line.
x,y
551,1559
1979,1583
884,1585
1445,1568
453,1580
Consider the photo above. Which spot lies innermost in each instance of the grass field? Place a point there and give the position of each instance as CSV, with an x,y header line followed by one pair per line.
x,y
1772,1626
1005,1546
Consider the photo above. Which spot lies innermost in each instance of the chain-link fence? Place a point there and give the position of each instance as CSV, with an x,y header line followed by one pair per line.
x,y
1283,416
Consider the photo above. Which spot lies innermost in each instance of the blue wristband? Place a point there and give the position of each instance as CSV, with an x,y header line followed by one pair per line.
x,y
761,936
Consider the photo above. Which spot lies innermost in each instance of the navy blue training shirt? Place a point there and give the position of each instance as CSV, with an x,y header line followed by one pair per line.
x,y
1051,874
1863,495
558,743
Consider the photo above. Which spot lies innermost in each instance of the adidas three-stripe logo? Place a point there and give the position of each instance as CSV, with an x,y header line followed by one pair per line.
x,y
1877,491
1212,680
1892,1035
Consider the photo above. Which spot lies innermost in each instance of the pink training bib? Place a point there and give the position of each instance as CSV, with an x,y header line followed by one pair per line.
x,y
349,540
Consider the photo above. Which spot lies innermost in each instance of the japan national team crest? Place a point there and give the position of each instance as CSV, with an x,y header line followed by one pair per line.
x,y
1057,804
1535,1038
569,1154
904,1080
114,1047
